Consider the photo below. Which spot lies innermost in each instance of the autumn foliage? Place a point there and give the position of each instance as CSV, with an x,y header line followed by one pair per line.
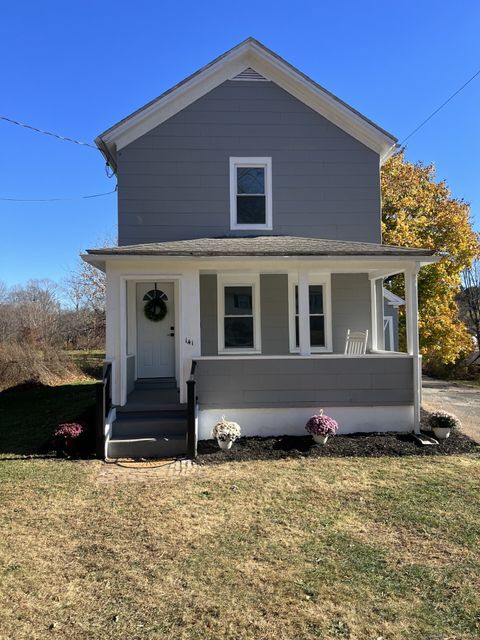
x,y
420,212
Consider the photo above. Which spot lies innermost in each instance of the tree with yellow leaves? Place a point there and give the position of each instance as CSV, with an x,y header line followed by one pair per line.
x,y
417,211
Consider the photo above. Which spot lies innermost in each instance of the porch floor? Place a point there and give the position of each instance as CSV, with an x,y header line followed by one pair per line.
x,y
152,394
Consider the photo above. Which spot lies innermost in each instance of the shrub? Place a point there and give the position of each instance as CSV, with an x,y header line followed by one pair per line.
x,y
443,420
321,425
23,363
225,430
70,438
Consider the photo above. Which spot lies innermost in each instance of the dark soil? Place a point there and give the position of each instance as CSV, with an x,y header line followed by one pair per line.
x,y
364,445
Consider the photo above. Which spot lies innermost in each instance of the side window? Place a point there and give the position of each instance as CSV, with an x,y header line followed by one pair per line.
x,y
250,193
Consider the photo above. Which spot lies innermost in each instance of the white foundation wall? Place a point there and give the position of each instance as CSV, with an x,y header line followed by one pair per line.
x,y
278,421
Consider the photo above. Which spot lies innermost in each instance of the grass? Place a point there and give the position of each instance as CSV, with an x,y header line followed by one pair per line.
x,y
28,417
88,361
290,549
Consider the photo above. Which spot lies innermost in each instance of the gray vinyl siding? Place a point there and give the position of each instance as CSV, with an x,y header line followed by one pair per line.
x,y
319,381
274,314
173,182
208,314
351,307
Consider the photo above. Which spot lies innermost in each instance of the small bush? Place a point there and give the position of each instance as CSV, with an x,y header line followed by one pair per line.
x,y
21,364
321,425
225,430
70,439
443,420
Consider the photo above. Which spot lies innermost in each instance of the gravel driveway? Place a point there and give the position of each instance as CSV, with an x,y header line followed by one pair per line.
x,y
462,400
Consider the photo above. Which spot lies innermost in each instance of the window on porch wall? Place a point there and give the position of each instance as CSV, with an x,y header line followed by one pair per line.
x,y
238,318
316,316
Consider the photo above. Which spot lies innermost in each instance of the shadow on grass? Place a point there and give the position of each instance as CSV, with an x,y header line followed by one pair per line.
x,y
29,414
362,445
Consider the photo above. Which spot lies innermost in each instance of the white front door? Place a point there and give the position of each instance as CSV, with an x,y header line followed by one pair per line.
x,y
155,339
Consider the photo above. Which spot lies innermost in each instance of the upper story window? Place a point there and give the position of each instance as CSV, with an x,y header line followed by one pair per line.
x,y
250,193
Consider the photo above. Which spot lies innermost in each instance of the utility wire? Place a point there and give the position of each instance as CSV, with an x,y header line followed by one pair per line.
x,y
49,133
95,195
439,108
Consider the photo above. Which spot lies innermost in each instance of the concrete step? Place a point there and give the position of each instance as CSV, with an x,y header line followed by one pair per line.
x,y
156,383
138,425
164,446
139,409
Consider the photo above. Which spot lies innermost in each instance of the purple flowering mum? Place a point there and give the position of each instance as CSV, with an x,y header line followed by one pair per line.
x,y
320,425
67,437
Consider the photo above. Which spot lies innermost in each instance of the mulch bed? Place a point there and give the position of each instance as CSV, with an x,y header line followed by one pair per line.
x,y
364,445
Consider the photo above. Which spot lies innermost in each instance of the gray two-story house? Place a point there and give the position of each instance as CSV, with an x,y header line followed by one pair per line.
x,y
249,243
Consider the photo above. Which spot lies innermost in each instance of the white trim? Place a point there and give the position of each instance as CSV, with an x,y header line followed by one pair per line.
x,y
318,356
392,299
253,54
278,421
264,163
388,324
313,278
413,344
242,280
337,264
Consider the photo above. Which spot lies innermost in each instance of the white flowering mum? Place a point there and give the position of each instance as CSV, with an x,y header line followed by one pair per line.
x,y
225,430
443,420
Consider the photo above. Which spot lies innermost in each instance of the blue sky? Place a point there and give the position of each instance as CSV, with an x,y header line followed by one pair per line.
x,y
77,68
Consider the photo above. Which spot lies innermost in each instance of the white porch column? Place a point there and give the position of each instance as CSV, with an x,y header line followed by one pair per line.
x,y
190,346
303,313
373,312
113,340
413,346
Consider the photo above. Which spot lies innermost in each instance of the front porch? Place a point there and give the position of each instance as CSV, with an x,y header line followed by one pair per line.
x,y
268,338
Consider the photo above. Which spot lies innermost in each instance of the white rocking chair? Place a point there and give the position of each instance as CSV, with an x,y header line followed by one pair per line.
x,y
356,343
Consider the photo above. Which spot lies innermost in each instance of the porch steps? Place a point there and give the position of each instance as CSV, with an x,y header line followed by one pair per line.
x,y
155,383
150,400
164,446
152,433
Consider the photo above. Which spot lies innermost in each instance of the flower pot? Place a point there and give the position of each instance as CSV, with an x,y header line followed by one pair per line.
x,y
442,433
320,439
225,444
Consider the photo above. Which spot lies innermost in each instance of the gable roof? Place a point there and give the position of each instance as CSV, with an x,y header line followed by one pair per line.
x,y
252,55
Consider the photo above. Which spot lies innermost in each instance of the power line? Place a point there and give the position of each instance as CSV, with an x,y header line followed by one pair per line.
x,y
95,195
49,133
439,108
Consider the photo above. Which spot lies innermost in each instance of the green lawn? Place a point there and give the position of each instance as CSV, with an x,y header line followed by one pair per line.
x,y
294,549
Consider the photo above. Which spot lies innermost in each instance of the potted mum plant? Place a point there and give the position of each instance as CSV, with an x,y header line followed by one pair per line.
x,y
321,427
69,438
442,424
226,433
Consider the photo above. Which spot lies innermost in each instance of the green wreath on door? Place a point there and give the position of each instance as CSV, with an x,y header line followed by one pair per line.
x,y
155,307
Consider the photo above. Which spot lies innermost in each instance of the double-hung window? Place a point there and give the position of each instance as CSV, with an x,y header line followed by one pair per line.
x,y
250,193
319,314
238,314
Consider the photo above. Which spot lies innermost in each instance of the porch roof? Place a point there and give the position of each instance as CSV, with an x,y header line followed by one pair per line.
x,y
279,246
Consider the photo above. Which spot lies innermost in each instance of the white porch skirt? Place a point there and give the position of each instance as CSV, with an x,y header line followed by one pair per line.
x,y
280,421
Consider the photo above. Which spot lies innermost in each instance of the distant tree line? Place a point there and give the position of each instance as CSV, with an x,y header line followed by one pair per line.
x,y
67,315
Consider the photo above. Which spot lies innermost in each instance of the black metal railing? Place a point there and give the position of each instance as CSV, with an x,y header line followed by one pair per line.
x,y
191,408
103,404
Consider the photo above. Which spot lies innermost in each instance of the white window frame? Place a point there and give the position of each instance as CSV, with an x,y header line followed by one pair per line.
x,y
239,280
265,163
313,278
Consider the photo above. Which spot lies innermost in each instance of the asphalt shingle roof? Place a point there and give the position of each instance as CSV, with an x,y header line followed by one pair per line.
x,y
260,246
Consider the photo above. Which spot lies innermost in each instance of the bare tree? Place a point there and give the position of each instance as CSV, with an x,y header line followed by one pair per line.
x,y
470,299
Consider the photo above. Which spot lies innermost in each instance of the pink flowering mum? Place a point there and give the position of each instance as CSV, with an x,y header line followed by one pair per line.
x,y
320,425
